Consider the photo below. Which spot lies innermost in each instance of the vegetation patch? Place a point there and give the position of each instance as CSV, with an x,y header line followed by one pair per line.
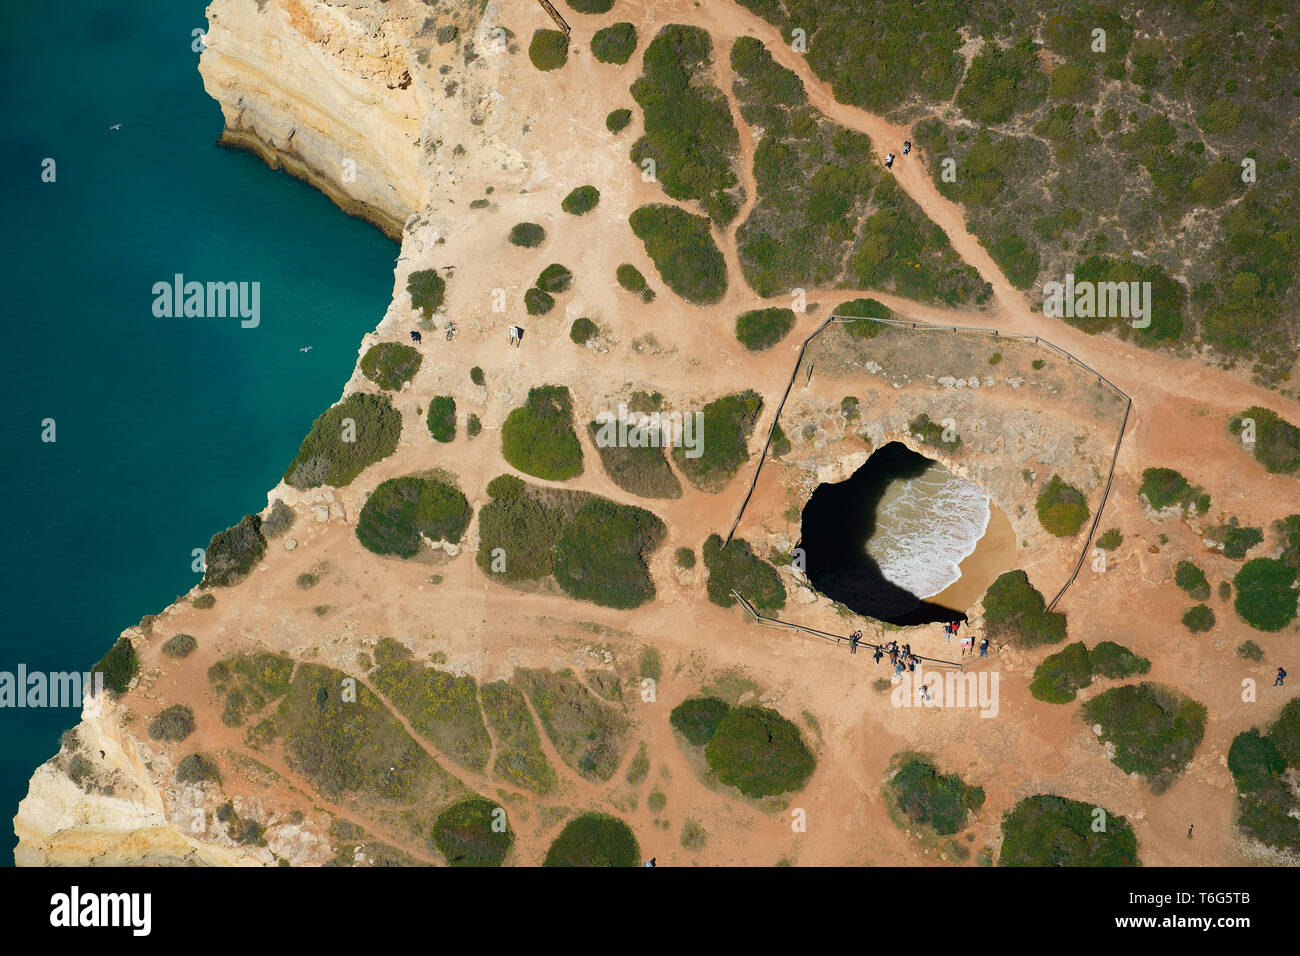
x,y
932,433
233,553
1154,729
173,724
538,437
1192,580
1198,619
1277,441
697,718
689,133
555,278
441,418
472,832
861,311
1266,594
1014,609
927,797
427,290
520,759
594,839
589,735
1062,508
197,768
1060,676
582,331
614,43
736,567
759,752
538,301
683,252
182,645
631,279
1110,539
618,120
643,471
279,520
1261,764
727,423
1047,830
529,235
390,365
549,50
249,682
1162,487
402,512
760,329
440,706
581,201
517,537
1236,538
602,554
346,439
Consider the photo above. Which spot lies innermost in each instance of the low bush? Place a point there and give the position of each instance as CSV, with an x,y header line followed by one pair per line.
x,y
1236,538
173,724
1266,594
427,290
683,252
927,797
441,418
697,719
602,554
278,521
618,120
529,235
1277,441
759,752
1047,830
538,302
1198,619
1154,729
517,538
119,666
1110,540
1192,580
390,365
727,423
760,329
233,553
466,834
735,566
555,278
549,50
1062,508
631,279
538,438
401,512
614,44
346,439
582,331
1013,608
594,839
182,645
197,768
581,201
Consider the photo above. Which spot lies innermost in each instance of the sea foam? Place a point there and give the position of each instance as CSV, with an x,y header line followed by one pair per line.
x,y
925,526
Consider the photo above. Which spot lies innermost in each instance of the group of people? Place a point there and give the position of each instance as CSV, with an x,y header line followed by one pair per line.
x,y
901,657
889,157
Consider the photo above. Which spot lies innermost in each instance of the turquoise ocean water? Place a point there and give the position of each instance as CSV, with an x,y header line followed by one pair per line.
x,y
167,429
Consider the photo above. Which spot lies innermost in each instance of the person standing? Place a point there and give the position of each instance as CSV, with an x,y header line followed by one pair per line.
x,y
1280,680
984,647
878,655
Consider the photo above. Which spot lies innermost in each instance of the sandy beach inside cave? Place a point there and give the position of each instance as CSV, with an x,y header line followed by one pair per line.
x,y
994,553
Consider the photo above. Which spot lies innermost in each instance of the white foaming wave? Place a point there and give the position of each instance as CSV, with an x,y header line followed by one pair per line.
x,y
925,526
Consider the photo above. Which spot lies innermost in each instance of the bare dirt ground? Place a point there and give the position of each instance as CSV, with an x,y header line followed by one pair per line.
x,y
690,354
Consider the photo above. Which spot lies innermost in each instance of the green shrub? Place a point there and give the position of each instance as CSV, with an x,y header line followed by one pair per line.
x,y
594,839
1047,830
182,645
537,302
1014,608
1277,441
1198,619
727,424
685,558
1162,487
473,427
863,309
529,235
760,329
427,290
592,6
306,581
1000,83
519,756
615,43
1192,580
759,752
1254,760
555,278
390,365
1236,538
929,798
932,433
735,566
581,201
1250,651
766,80
1062,508
618,120
173,724
197,768
689,133
279,520
1167,304
1116,661
602,554
506,486
643,471
549,50
697,719
538,438
1266,594
119,665
780,446
204,602
233,553
683,252
441,418
476,376
1110,540
402,511
465,835
631,279
1155,730
1059,676
327,457
525,531
582,331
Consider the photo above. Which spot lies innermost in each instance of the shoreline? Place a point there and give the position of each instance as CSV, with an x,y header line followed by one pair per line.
x,y
299,169
994,553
